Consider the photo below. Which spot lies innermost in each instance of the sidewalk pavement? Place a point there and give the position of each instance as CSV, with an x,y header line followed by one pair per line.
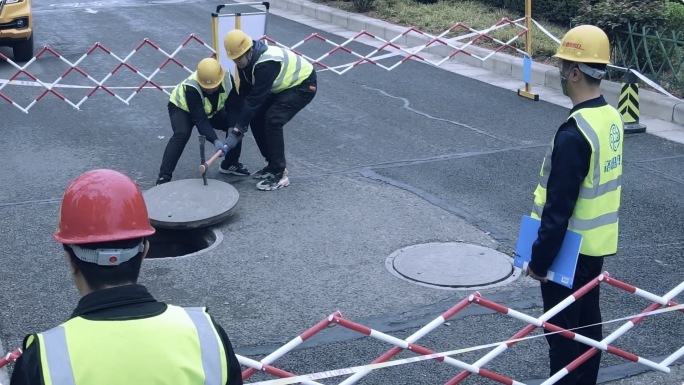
x,y
662,115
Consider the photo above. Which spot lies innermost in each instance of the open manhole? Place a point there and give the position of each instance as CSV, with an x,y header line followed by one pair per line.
x,y
168,243
453,265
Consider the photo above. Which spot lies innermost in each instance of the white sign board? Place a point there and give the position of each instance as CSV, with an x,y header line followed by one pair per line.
x,y
252,23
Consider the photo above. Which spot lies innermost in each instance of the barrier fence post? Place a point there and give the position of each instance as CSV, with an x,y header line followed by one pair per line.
x,y
628,103
527,60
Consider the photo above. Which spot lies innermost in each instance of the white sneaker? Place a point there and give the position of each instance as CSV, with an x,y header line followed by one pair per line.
x,y
274,182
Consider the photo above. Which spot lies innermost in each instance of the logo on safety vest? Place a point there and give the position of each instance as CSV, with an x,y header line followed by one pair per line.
x,y
614,137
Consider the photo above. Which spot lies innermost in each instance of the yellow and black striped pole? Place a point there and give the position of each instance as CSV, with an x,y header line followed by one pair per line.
x,y
628,103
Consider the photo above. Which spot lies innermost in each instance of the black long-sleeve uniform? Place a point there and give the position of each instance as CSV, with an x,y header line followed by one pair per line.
x,y
257,94
199,117
266,112
570,165
120,303
570,162
182,123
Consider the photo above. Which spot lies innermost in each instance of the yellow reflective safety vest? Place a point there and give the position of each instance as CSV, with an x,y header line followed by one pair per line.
x,y
293,71
178,95
180,346
596,212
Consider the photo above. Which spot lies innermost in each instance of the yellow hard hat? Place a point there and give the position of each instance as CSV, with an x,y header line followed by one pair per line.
x,y
585,44
236,44
210,73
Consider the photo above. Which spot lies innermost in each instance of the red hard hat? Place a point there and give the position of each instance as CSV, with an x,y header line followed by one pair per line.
x,y
102,206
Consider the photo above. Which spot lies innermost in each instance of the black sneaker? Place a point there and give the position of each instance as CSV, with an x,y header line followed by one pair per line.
x,y
235,169
274,182
263,173
163,179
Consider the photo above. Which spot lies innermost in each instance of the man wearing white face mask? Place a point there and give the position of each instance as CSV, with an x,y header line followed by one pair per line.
x,y
275,84
579,189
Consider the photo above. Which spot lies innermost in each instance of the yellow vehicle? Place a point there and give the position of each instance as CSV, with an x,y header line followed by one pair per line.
x,y
16,28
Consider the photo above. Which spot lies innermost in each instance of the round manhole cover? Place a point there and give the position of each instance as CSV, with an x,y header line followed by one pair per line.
x,y
188,203
451,265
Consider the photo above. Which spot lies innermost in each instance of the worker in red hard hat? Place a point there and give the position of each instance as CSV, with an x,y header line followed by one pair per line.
x,y
119,333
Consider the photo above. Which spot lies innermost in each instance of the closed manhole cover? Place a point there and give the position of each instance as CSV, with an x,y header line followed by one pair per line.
x,y
450,265
167,243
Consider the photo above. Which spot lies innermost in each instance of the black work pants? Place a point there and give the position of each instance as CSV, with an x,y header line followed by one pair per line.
x,y
584,311
182,125
267,124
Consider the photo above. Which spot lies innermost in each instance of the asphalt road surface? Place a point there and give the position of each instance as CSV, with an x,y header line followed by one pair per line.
x,y
378,161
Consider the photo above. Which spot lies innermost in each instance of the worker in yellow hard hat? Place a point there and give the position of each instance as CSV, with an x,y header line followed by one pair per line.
x,y
208,101
275,84
579,190
119,334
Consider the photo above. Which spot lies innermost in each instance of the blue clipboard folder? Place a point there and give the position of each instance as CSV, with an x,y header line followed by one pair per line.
x,y
562,270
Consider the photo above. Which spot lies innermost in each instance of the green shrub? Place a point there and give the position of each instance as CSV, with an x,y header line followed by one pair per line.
x,y
607,14
556,11
674,16
363,5
616,15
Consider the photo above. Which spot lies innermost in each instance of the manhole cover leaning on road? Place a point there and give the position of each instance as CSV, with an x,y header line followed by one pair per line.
x,y
451,265
189,204
182,212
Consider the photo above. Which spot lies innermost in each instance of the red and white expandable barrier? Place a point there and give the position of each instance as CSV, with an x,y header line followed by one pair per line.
x,y
374,57
475,298
50,88
10,357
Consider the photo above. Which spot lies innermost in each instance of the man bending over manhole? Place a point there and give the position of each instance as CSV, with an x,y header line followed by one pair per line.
x,y
207,99
118,333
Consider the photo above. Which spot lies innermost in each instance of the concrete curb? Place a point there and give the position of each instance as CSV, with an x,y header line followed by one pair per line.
x,y
651,103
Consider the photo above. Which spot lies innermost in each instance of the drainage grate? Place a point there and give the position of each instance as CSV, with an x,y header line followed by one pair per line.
x,y
167,243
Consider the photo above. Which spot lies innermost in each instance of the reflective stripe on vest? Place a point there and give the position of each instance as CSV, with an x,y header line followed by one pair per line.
x,y
57,355
293,71
583,224
178,99
596,210
59,370
209,346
